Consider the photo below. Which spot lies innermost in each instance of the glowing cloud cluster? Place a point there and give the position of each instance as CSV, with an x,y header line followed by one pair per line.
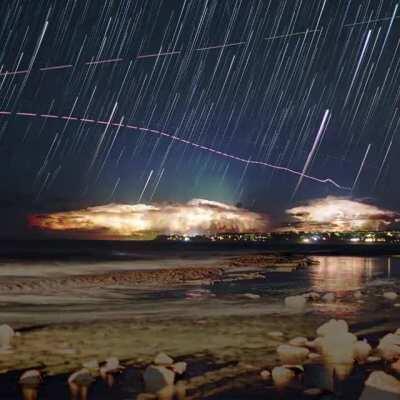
x,y
145,221
334,214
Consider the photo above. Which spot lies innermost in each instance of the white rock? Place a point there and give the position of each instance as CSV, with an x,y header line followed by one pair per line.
x,y
329,297
389,347
163,359
295,302
315,344
339,348
292,355
383,381
390,295
299,342
157,378
265,375
362,350
332,327
282,376
31,377
179,367
6,335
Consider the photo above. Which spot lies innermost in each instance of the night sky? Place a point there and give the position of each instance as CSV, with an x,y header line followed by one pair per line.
x,y
152,101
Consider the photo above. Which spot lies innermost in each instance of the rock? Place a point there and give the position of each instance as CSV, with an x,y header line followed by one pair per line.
x,y
299,342
282,376
292,355
383,381
332,327
111,366
32,377
358,294
389,347
157,378
295,302
179,367
315,344
396,366
265,375
390,295
163,359
313,296
362,350
251,296
329,297
6,335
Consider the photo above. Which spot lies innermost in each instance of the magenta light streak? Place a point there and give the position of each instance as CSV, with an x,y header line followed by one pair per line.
x,y
302,175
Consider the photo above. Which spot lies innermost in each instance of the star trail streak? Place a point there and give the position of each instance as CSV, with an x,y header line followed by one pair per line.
x,y
177,138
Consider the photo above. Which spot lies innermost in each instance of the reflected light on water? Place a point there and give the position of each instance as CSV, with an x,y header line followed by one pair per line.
x,y
345,273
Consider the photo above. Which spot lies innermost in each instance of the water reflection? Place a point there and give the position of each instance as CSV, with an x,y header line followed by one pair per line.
x,y
348,273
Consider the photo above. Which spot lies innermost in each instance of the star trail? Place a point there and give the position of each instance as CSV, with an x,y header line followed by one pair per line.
x,y
261,102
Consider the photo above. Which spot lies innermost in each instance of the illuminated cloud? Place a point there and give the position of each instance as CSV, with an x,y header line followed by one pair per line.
x,y
334,214
146,221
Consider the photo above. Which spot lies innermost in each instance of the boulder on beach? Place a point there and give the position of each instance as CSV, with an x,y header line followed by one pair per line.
x,y
295,302
157,378
313,296
179,367
333,327
390,295
6,335
292,355
362,350
163,359
339,348
389,347
282,376
382,386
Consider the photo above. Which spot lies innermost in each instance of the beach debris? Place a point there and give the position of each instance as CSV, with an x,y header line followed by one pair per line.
x,y
312,296
389,347
390,295
251,296
30,381
382,386
179,368
157,378
295,302
6,335
329,297
292,355
163,359
362,350
265,375
282,377
332,327
299,342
